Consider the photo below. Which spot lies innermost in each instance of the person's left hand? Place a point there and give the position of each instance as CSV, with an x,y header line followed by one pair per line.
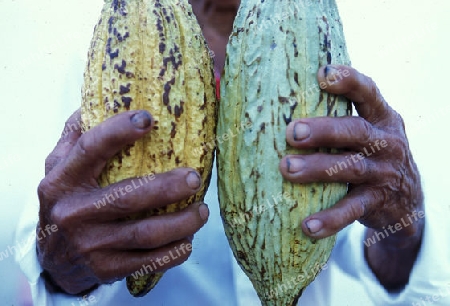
x,y
384,183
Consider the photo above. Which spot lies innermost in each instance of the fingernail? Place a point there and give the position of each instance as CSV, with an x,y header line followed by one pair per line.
x,y
203,211
141,120
295,164
193,180
330,70
301,131
314,226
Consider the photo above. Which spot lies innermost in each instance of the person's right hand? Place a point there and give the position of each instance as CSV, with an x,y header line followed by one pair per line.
x,y
91,245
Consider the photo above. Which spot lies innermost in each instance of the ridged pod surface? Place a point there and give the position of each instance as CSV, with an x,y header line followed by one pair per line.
x,y
151,54
273,56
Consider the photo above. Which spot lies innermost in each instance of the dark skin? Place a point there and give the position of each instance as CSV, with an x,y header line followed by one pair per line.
x,y
93,247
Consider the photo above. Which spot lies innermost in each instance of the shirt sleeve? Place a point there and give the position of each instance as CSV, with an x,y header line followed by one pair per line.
x,y
430,277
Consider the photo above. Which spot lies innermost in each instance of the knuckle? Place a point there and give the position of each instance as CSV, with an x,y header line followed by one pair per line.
x,y
360,169
47,191
357,209
85,147
143,234
60,217
398,147
365,131
88,145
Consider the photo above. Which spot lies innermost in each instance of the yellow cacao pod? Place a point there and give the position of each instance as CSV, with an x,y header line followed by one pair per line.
x,y
273,56
151,54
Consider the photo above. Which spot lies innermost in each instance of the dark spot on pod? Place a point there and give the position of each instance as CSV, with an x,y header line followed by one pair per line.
x,y
121,68
164,10
294,207
162,47
329,57
125,89
174,130
127,102
262,127
129,75
116,4
295,47
167,88
325,43
283,100
159,25
170,152
255,174
127,150
116,106
177,160
241,255
119,157
178,110
104,66
205,119
294,106
114,54
258,12
296,78
260,108
162,72
287,119
119,6
110,24
119,36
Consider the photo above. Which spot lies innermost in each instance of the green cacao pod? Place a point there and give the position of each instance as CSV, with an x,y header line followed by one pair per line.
x,y
273,55
151,54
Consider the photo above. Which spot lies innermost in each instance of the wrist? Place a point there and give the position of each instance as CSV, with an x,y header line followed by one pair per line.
x,y
404,234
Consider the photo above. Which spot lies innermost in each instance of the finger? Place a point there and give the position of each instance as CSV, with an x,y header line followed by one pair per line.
x,y
362,90
351,167
96,146
344,132
131,196
71,133
120,264
351,208
155,231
